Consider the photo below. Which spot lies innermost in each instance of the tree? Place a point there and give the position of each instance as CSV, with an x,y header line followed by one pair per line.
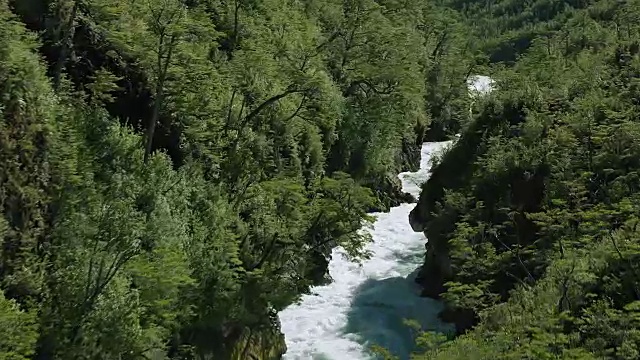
x,y
166,23
19,331
65,13
27,110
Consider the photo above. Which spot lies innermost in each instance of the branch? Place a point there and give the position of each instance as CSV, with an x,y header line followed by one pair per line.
x,y
242,107
265,254
565,289
517,279
261,107
237,199
318,49
517,254
318,245
268,102
440,43
329,40
228,123
304,97
358,83
632,268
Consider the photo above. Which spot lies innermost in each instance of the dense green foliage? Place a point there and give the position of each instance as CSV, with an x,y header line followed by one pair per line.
x,y
175,172
532,216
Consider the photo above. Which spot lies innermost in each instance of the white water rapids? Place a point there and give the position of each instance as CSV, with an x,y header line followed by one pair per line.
x,y
366,304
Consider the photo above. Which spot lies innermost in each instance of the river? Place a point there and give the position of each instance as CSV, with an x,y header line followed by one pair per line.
x,y
366,304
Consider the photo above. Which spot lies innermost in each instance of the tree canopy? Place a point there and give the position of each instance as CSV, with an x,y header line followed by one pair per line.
x,y
175,172
532,216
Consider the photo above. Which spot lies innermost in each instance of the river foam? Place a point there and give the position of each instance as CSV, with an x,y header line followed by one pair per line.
x,y
366,304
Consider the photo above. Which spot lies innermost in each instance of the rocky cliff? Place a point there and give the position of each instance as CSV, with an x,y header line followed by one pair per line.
x,y
442,204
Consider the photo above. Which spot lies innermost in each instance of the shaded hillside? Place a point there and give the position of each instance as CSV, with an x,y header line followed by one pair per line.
x,y
532,217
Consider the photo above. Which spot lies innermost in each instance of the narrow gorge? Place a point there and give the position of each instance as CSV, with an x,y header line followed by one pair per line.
x,y
251,179
366,304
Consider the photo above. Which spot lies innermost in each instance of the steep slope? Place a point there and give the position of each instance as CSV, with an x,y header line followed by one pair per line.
x,y
365,306
175,172
532,217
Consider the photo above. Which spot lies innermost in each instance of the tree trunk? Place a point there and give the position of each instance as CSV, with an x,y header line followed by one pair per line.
x,y
151,129
67,32
163,66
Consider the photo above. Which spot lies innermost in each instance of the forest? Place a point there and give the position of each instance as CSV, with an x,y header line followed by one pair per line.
x,y
175,172
532,216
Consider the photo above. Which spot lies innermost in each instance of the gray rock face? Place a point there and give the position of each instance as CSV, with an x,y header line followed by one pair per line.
x,y
416,224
